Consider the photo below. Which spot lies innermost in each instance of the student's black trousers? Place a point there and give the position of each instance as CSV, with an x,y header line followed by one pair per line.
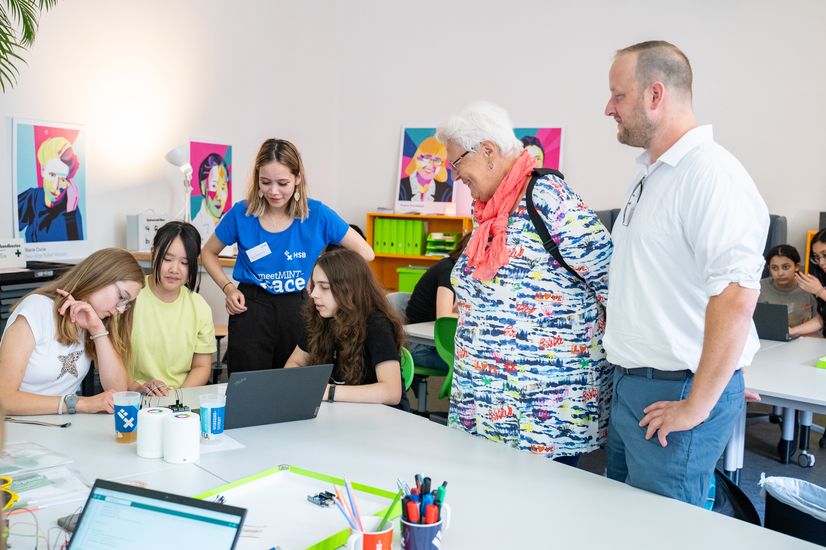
x,y
264,336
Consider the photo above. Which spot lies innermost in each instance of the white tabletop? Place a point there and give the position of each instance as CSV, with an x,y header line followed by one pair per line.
x,y
499,497
420,333
785,373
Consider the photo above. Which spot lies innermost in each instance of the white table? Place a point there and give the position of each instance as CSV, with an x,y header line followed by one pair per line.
x,y
500,498
784,374
421,333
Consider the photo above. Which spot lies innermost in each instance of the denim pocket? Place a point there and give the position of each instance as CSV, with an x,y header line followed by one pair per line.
x,y
735,388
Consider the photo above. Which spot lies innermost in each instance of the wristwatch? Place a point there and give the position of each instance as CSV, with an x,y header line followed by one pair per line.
x,y
331,393
71,403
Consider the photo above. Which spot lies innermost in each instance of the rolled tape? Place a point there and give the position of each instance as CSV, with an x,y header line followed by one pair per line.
x,y
150,431
181,437
821,363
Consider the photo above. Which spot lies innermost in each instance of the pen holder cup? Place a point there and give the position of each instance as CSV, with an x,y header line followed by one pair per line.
x,y
425,536
371,538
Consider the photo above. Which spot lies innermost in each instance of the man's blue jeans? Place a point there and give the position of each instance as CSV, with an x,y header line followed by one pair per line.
x,y
683,469
426,356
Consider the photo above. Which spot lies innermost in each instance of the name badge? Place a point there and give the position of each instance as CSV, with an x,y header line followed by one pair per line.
x,y
258,252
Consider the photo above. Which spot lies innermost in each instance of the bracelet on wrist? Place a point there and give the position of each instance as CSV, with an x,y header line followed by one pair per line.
x,y
60,405
98,335
223,288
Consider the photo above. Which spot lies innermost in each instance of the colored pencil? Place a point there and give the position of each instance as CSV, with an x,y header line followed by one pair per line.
x,y
390,511
353,506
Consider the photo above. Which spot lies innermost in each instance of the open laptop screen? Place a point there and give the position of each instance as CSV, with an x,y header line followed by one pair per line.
x,y
125,517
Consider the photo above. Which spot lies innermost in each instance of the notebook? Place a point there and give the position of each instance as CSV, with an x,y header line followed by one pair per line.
x,y
772,322
126,517
275,395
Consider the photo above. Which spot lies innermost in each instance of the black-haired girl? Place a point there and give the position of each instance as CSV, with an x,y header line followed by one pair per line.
x,y
782,287
173,337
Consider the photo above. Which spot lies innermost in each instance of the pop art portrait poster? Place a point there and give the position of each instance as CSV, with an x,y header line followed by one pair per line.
x,y
544,145
49,203
424,183
211,192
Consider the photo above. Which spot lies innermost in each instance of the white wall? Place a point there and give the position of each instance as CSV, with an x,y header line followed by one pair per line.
x,y
340,78
146,76
760,78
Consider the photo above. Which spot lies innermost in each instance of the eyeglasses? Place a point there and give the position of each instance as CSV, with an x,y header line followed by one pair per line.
x,y
9,497
436,161
815,259
124,301
455,164
633,201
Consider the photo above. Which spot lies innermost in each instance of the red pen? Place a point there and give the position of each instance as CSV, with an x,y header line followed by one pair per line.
x,y
412,512
431,515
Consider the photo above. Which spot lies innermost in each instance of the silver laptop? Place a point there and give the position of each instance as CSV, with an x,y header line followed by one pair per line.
x,y
772,322
126,517
259,397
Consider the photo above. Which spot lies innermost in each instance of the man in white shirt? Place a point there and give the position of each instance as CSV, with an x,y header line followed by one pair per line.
x,y
683,282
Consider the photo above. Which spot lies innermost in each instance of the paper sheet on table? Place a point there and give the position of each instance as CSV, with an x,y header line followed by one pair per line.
x,y
48,487
223,443
26,456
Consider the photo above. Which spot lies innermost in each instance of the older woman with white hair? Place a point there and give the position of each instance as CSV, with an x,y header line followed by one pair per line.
x,y
530,369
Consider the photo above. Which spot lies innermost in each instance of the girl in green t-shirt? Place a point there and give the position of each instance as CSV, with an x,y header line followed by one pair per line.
x,y
173,337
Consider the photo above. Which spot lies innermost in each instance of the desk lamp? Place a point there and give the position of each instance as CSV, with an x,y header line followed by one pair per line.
x,y
179,156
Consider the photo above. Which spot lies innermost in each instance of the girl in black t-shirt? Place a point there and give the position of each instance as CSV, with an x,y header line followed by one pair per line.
x,y
351,324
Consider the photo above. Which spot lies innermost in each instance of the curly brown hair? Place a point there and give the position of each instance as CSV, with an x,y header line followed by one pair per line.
x,y
357,295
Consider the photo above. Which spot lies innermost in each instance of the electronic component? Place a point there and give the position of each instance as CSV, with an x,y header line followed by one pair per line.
x,y
324,498
69,522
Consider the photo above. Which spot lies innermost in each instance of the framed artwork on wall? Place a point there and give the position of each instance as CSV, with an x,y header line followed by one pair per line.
x,y
211,192
425,183
49,192
544,145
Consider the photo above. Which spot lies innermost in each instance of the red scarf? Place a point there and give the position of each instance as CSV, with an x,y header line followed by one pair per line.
x,y
486,250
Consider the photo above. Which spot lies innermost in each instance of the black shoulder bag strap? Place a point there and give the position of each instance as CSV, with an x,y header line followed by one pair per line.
x,y
539,225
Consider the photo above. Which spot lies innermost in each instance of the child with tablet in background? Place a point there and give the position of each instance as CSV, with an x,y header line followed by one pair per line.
x,y
173,337
351,324
782,287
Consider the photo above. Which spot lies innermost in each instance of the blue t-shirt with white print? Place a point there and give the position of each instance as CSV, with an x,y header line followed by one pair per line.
x,y
279,262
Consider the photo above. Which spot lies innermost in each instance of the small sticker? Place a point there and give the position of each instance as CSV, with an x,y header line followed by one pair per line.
x,y
258,252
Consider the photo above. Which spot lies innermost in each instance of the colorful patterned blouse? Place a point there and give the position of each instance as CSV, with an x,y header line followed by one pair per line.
x,y
530,369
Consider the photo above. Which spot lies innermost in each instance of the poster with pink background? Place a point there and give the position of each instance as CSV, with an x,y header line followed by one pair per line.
x,y
211,190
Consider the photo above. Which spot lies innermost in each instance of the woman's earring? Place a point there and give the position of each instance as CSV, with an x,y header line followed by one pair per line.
x,y
297,196
490,166
260,193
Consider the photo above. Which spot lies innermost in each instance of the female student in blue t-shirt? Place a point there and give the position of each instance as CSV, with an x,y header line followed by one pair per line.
x,y
280,233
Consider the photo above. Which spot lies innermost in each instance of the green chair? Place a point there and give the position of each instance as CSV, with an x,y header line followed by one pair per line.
x,y
444,333
407,368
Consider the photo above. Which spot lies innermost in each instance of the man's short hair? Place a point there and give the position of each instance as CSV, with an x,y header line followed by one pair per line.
x,y
663,61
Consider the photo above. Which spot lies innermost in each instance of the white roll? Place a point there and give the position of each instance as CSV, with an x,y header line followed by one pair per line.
x,y
181,437
150,431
